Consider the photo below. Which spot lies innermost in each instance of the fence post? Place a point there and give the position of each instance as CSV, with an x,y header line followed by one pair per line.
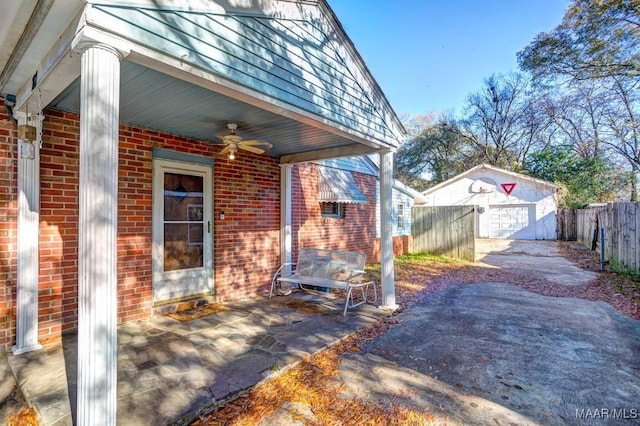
x,y
602,235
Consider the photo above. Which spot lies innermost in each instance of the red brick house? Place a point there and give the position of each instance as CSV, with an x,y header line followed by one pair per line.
x,y
117,194
336,206
351,227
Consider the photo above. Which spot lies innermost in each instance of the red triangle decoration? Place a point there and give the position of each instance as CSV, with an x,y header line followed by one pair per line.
x,y
508,187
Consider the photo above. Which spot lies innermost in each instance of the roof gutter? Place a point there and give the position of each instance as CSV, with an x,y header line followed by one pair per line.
x,y
35,22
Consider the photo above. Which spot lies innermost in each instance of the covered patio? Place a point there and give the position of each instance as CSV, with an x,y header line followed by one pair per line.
x,y
110,100
171,371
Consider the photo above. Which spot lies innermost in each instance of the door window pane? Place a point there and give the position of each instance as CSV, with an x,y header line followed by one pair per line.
x,y
183,221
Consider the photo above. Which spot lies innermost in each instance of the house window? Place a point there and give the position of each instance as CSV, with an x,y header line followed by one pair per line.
x,y
400,214
332,210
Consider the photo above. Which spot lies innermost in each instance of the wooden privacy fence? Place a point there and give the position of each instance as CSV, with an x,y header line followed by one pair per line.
x,y
588,224
621,224
566,225
447,230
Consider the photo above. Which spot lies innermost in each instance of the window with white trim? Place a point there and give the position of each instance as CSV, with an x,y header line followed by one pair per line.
x,y
400,215
332,210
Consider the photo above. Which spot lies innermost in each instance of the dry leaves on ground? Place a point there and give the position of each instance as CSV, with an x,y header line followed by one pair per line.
x,y
24,417
197,312
315,383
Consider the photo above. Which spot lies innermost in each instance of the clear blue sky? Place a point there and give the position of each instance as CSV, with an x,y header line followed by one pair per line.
x,y
428,55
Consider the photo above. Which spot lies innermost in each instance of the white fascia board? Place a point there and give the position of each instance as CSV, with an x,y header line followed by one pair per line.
x,y
324,154
289,9
373,167
494,169
59,18
515,175
14,20
57,69
343,44
408,191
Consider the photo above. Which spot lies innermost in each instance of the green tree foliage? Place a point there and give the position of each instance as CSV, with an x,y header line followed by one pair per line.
x,y
433,152
597,38
585,180
593,59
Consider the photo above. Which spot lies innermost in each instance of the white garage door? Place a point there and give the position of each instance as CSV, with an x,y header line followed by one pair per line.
x,y
513,222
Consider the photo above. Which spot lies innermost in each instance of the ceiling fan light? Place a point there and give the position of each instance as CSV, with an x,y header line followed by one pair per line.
x,y
232,155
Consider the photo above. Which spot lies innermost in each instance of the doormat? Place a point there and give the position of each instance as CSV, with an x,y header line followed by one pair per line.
x,y
198,312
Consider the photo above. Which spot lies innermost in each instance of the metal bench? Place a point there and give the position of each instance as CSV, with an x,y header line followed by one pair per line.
x,y
327,268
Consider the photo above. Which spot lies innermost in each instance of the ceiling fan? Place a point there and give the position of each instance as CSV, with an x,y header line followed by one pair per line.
x,y
233,143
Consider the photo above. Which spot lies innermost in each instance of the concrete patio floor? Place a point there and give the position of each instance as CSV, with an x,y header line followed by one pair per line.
x,y
169,370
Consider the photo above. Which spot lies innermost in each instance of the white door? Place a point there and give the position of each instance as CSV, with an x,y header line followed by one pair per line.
x,y
516,222
182,230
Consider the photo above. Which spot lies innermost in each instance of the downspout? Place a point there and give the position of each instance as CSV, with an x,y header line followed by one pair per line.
x,y
28,198
285,214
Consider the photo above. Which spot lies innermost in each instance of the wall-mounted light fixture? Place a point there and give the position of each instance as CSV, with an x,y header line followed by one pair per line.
x,y
29,132
222,215
26,135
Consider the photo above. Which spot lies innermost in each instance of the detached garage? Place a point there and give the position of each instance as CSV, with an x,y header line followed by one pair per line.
x,y
509,205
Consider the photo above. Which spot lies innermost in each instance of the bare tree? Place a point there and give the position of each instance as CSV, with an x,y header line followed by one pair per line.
x,y
577,117
623,120
504,121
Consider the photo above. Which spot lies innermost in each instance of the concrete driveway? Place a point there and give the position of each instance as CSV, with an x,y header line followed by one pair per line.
x,y
541,258
493,353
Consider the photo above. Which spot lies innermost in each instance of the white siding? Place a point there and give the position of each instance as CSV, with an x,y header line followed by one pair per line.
x,y
399,198
526,192
296,54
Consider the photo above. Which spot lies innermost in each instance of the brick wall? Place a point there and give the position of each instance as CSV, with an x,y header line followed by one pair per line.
x,y
58,280
357,231
246,242
402,244
247,246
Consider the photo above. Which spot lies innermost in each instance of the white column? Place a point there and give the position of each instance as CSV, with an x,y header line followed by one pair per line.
x,y
28,239
386,231
285,213
97,234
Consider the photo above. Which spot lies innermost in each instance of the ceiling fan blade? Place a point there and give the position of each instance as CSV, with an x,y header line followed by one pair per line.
x,y
257,142
225,150
252,149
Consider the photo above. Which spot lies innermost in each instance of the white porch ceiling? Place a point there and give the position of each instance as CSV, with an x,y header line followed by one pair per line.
x,y
157,101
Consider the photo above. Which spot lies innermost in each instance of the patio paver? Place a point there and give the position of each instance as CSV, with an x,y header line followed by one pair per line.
x,y
169,370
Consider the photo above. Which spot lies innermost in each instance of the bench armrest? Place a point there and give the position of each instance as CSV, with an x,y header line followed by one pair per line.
x,y
280,269
278,274
356,273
